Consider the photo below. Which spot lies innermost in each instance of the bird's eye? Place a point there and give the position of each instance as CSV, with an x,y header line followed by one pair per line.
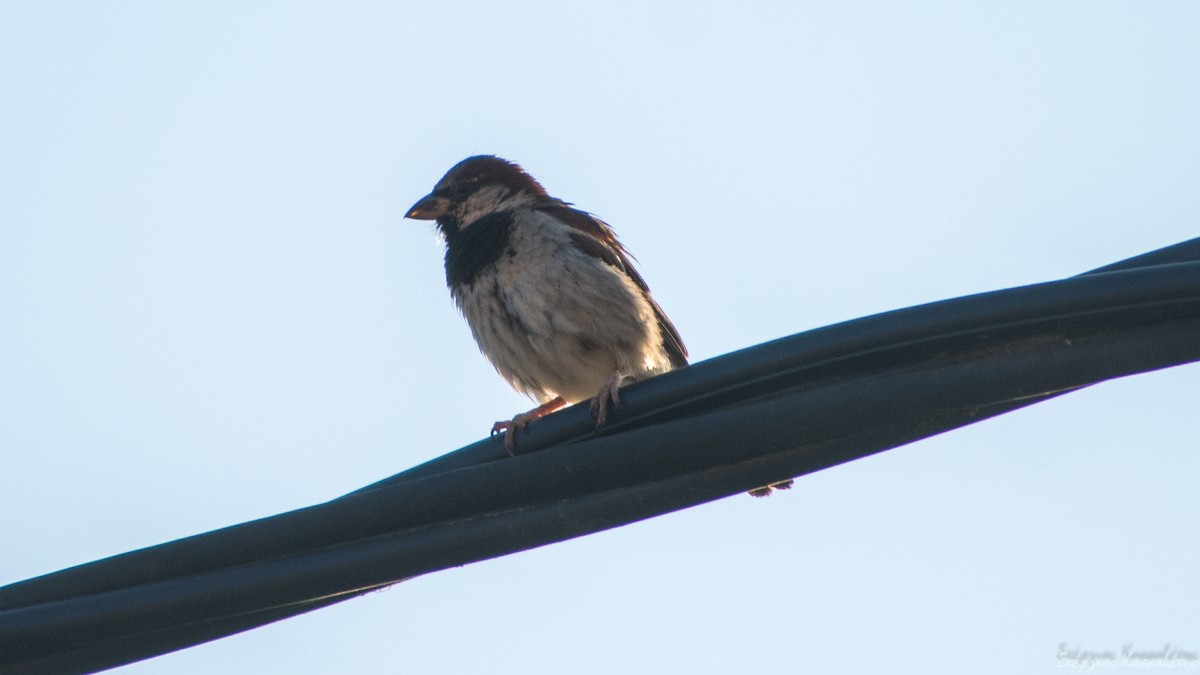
x,y
467,185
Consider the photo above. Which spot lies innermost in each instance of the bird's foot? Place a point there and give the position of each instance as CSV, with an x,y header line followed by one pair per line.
x,y
509,427
609,391
766,490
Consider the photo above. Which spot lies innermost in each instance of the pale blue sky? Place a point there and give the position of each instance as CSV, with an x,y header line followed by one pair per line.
x,y
212,311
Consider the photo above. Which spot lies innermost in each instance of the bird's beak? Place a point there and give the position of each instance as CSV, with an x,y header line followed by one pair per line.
x,y
431,207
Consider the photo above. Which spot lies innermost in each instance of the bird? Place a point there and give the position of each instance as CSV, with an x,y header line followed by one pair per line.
x,y
550,294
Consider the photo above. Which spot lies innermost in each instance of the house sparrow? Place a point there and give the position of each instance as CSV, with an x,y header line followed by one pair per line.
x,y
549,293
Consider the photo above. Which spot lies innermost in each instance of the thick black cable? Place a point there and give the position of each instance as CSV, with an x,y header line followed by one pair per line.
x,y
840,350
717,428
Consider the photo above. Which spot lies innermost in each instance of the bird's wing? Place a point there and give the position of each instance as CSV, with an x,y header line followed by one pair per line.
x,y
595,238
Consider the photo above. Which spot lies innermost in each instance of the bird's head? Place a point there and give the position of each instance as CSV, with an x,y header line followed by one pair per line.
x,y
476,187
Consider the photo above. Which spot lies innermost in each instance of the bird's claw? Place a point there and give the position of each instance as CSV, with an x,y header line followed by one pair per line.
x,y
510,427
610,391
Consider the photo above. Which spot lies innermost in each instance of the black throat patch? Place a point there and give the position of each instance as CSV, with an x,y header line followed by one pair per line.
x,y
473,249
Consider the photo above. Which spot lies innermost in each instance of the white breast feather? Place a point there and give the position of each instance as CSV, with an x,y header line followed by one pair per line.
x,y
571,320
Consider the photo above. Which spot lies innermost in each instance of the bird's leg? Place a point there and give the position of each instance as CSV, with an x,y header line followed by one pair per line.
x,y
509,427
608,391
